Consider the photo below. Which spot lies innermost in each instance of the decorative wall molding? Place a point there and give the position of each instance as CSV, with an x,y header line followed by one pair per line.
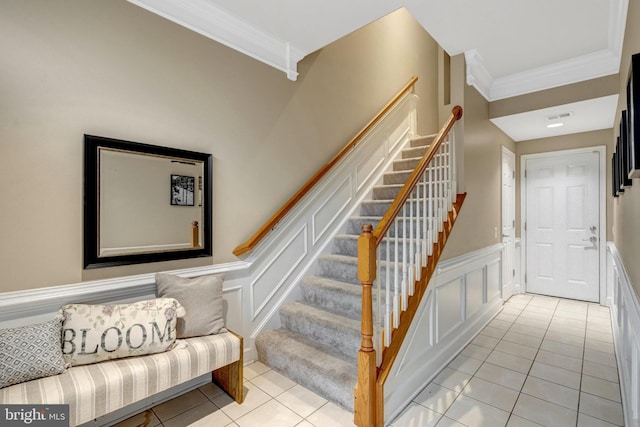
x,y
625,318
463,296
590,66
207,19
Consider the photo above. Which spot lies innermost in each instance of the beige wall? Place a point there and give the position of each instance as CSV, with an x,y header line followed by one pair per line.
x,y
626,208
109,68
568,142
479,222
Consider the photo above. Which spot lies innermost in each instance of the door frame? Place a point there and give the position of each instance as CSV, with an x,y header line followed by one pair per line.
x,y
602,205
510,154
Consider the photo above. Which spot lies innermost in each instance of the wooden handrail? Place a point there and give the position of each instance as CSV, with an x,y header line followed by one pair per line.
x,y
277,217
388,218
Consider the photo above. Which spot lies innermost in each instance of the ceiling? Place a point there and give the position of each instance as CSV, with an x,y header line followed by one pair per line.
x,y
511,47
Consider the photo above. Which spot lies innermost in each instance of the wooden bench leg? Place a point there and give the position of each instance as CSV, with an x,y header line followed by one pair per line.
x,y
230,377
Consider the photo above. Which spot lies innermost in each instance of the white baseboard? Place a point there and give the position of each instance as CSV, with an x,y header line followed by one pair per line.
x,y
625,318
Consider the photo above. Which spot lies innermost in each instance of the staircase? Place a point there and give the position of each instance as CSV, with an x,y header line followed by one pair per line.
x,y
318,342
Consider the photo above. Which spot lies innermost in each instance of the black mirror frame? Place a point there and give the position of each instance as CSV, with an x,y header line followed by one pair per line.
x,y
92,144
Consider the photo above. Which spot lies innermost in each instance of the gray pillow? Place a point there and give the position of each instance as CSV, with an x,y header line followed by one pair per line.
x,y
31,352
202,299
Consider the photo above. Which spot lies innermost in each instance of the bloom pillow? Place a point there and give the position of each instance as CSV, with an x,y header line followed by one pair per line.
x,y
201,298
92,333
30,352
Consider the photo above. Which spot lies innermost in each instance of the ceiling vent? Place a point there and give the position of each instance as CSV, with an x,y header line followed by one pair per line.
x,y
559,116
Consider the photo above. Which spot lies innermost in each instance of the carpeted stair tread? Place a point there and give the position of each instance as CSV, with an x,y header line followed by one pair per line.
x,y
422,141
395,177
333,295
309,365
340,333
408,153
355,223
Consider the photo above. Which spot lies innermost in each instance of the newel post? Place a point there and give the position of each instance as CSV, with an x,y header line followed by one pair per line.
x,y
365,391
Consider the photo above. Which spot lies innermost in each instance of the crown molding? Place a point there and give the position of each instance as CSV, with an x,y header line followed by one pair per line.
x,y
590,66
215,23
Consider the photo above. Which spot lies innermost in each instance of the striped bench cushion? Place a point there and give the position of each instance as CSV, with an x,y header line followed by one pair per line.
x,y
98,389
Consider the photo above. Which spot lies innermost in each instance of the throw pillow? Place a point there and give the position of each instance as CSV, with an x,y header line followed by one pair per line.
x,y
92,333
201,298
30,352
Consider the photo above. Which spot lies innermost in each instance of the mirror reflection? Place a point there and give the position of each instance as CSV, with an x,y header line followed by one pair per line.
x,y
147,203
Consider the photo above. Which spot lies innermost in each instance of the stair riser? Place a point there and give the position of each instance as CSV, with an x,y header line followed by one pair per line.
x,y
396,178
344,246
346,272
346,342
412,152
405,164
389,192
380,207
347,304
425,141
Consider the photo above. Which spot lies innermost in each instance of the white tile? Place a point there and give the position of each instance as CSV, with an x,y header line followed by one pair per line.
x,y
508,316
417,416
601,346
465,364
271,414
253,397
543,412
273,383
561,348
599,326
474,413
477,352
571,323
204,415
304,423
485,341
510,361
538,312
331,415
603,372
588,421
178,405
500,324
436,397
566,329
301,400
516,421
556,375
564,338
602,409
572,306
254,369
503,376
535,323
602,388
140,420
516,349
559,360
523,339
551,392
581,316
452,379
448,422
493,394
528,330
211,390
493,332
601,358
599,336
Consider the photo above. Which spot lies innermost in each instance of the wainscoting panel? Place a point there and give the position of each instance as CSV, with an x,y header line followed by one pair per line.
x,y
463,299
331,209
625,317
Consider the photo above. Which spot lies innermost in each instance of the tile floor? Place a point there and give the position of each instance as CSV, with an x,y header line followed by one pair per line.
x,y
541,361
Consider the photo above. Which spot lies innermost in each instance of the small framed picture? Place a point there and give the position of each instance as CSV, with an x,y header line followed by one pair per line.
x,y
182,190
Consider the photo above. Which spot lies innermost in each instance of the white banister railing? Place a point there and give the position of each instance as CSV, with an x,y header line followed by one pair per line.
x,y
396,261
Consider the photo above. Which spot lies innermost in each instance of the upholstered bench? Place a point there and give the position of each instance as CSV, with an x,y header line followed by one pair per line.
x,y
101,388
110,361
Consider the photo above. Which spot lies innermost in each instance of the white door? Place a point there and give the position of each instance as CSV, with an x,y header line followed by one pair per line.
x,y
508,221
562,225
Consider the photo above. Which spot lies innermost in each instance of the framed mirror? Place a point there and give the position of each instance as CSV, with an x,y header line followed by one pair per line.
x,y
144,203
